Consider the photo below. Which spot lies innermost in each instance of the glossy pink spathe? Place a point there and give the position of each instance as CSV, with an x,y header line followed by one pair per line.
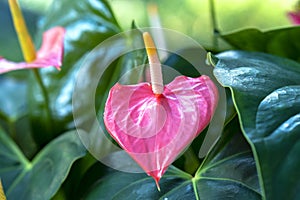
x,y
50,53
155,129
294,17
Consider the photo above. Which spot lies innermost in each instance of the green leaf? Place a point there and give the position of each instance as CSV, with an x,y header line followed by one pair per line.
x,y
41,177
229,170
228,173
87,24
282,42
182,65
266,92
126,69
12,104
120,185
14,111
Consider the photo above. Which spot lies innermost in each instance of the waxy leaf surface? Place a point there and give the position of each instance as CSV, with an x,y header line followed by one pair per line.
x,y
283,42
41,177
266,93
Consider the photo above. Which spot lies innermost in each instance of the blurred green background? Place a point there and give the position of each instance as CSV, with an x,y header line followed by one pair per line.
x,y
191,17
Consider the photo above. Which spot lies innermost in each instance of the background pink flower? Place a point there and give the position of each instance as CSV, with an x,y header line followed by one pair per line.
x,y
50,53
294,17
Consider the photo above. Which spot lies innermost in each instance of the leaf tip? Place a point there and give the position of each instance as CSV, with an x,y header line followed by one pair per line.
x,y
211,59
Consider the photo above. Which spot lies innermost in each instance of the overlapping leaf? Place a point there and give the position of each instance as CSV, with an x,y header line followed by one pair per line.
x,y
283,42
41,177
266,91
49,54
14,113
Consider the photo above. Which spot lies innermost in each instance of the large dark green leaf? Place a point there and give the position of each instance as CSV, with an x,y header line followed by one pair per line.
x,y
41,177
229,170
228,173
266,92
283,42
128,69
181,65
87,23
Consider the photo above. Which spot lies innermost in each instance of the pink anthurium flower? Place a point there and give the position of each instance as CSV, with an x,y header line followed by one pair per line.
x,y
50,53
294,17
155,123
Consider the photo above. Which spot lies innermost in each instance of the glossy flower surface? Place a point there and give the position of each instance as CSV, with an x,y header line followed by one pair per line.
x,y
155,129
294,17
50,53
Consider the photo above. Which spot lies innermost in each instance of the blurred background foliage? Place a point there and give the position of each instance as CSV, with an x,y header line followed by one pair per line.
x,y
191,17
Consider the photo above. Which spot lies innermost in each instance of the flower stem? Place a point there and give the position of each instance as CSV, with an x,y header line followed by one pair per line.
x,y
28,49
155,66
45,95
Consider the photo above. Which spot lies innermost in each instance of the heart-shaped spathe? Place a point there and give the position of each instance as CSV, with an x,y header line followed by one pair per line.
x,y
154,129
50,53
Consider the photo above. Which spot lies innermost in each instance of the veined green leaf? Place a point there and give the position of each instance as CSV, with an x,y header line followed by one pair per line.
x,y
266,92
41,177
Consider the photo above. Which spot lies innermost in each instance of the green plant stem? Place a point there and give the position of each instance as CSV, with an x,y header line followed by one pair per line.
x,y
12,129
214,24
45,95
